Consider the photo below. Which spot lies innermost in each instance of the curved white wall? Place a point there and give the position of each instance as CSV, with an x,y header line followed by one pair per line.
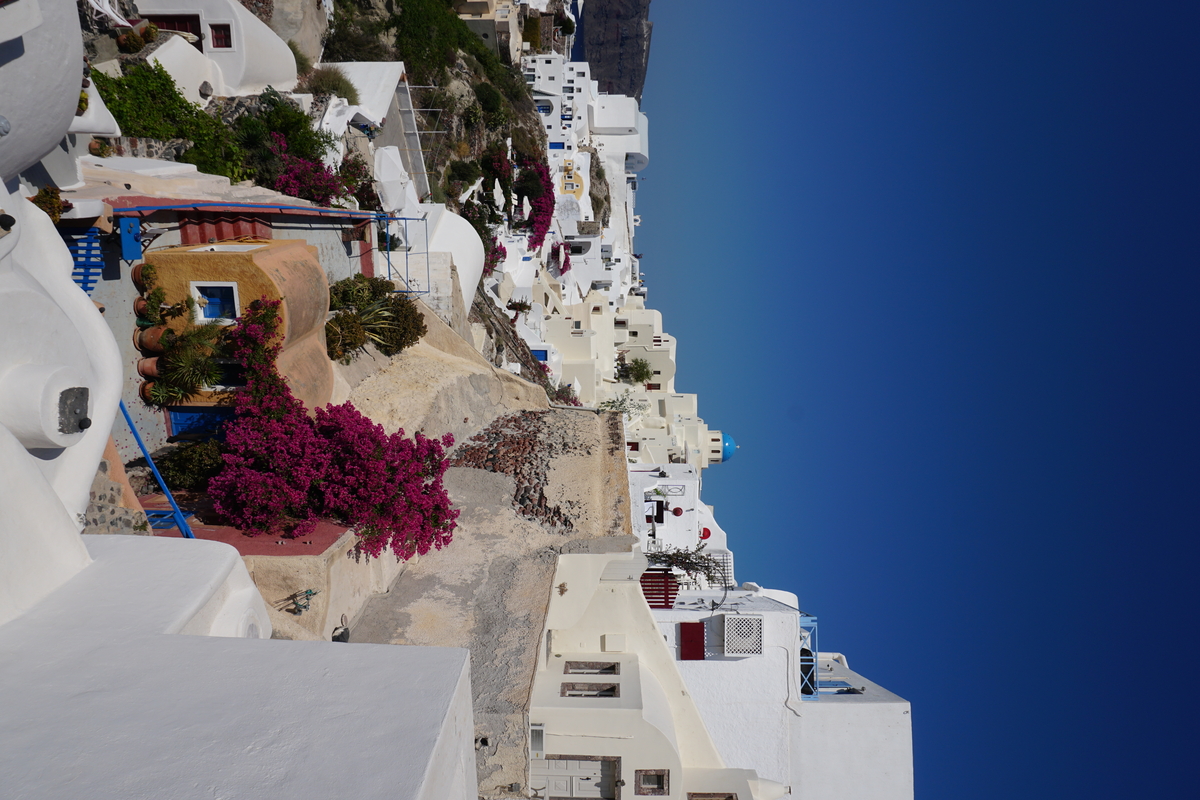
x,y
41,72
257,59
454,235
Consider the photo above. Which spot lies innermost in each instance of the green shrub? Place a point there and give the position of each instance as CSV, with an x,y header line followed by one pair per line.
x,y
49,199
465,171
473,116
428,35
532,32
146,102
189,364
371,311
527,147
330,80
636,371
529,184
355,38
407,326
498,118
190,466
345,336
278,115
489,98
566,24
155,299
358,291
303,62
131,42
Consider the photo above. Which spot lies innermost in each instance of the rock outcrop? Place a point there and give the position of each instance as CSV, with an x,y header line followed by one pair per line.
x,y
616,44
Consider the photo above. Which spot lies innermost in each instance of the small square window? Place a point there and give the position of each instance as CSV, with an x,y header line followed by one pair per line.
x,y
654,782
216,301
220,36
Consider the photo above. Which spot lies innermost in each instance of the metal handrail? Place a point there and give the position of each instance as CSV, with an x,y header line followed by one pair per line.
x,y
177,513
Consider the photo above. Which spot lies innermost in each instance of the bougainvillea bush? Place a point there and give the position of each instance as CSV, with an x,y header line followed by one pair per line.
x,y
284,470
560,257
541,207
496,253
306,179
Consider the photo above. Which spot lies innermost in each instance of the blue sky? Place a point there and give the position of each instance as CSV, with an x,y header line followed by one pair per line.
x,y
935,266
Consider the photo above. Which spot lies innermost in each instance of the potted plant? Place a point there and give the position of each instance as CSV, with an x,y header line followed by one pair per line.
x,y
152,306
188,365
153,339
148,367
144,276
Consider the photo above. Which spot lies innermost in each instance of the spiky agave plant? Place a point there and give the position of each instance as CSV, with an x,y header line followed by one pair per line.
x,y
189,364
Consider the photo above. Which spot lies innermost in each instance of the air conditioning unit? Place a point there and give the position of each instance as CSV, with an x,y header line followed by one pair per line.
x,y
743,634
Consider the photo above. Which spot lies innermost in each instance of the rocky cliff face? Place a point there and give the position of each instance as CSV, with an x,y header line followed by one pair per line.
x,y
616,44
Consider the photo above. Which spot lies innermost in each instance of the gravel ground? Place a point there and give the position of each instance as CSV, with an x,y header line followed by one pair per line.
x,y
530,486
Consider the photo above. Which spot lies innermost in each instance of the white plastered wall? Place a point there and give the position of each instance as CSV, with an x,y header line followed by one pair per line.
x,y
603,609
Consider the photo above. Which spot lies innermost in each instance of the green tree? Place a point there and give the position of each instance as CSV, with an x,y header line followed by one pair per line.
x,y
625,405
636,371
693,562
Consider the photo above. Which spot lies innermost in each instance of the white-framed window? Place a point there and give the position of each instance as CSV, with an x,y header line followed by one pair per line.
x,y
570,187
216,301
220,35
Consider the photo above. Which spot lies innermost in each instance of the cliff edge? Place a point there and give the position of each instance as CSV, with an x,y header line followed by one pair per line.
x,y
616,44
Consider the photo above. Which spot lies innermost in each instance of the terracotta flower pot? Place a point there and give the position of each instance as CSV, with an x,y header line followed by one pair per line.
x,y
144,391
140,306
135,275
148,367
149,340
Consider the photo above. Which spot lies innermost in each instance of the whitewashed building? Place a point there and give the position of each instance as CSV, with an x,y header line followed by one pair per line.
x,y
247,55
610,715
139,666
773,703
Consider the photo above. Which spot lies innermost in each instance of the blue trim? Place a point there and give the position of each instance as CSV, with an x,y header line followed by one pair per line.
x,y
88,256
160,520
130,229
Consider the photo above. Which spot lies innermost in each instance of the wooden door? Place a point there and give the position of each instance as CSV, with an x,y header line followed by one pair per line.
x,y
571,778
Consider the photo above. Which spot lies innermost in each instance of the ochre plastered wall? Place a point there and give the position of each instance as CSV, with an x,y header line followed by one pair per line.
x,y
282,269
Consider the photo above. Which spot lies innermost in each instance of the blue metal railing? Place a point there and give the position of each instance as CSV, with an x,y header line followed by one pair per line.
x,y
160,520
88,256
377,216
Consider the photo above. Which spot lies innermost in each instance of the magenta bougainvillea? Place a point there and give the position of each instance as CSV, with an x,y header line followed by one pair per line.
x,y
496,253
308,180
284,470
560,257
541,210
